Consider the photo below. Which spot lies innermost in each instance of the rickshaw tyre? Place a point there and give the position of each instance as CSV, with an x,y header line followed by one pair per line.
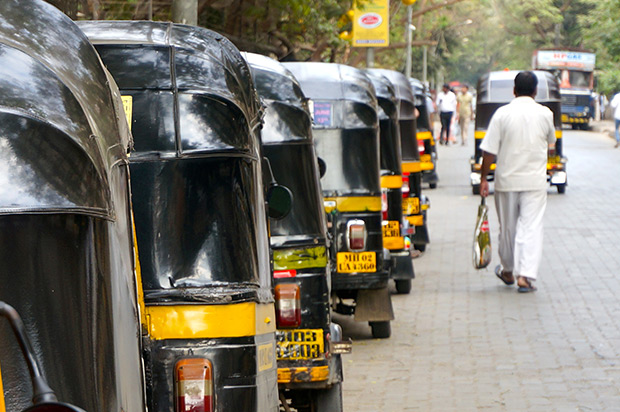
x,y
381,330
420,247
403,286
432,185
328,400
561,189
475,189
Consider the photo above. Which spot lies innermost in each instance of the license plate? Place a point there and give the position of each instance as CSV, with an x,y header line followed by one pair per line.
x,y
299,344
391,228
350,262
564,118
411,205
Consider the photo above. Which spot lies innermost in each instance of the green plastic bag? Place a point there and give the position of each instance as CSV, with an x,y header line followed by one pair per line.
x,y
482,238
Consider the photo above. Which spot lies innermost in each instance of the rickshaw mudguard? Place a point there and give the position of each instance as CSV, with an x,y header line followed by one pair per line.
x,y
402,268
373,305
236,386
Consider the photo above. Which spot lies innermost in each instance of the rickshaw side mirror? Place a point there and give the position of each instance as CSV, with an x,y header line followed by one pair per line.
x,y
279,201
322,166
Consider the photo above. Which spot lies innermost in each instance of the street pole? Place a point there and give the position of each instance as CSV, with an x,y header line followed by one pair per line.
x,y
370,57
409,34
424,64
185,11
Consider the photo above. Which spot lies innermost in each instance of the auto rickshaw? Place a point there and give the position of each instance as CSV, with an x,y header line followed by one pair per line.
x,y
415,205
392,182
426,142
309,344
67,258
494,90
346,136
200,215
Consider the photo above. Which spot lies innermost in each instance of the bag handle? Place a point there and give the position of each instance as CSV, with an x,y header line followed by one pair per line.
x,y
483,202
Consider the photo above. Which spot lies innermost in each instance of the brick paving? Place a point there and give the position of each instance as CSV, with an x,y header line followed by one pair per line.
x,y
462,341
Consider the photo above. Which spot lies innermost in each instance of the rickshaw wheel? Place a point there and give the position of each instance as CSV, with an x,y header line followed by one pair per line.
x,y
561,189
403,286
380,330
475,189
432,185
420,247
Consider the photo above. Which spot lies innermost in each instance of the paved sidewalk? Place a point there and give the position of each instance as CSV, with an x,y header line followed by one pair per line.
x,y
462,341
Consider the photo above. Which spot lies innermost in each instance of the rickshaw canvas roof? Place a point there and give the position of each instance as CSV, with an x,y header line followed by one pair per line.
x,y
332,81
283,85
51,79
224,73
400,82
547,86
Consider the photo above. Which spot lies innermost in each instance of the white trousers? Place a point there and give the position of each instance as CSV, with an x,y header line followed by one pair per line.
x,y
520,217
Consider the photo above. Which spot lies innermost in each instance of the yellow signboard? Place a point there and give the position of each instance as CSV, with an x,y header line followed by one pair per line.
x,y
371,26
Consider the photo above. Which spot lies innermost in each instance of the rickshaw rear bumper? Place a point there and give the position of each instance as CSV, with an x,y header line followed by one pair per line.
x,y
357,281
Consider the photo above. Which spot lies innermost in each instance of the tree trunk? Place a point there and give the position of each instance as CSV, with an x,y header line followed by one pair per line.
x,y
69,7
185,11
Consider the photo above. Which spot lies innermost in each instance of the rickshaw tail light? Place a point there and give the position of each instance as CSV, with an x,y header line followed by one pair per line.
x,y
356,231
194,385
405,186
288,305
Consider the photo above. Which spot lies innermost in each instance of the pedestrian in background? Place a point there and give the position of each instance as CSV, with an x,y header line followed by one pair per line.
x,y
519,136
615,104
464,111
446,105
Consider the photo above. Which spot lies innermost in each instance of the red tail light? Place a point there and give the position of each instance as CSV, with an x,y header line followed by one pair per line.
x,y
194,385
288,305
356,232
384,204
421,147
405,186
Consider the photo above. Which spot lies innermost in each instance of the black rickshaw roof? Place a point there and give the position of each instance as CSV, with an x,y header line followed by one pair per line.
x,y
383,86
332,81
497,87
63,126
215,69
400,82
273,81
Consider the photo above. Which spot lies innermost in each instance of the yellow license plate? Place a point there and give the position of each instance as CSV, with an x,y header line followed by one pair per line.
x,y
391,228
351,262
411,206
564,118
299,344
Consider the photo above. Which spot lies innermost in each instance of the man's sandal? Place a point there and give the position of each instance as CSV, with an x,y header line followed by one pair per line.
x,y
528,287
505,277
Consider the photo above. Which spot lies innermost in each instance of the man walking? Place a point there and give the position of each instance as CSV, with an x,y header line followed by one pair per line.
x,y
446,105
615,104
519,136
465,112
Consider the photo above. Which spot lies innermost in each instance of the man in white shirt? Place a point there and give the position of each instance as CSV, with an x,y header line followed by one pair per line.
x,y
519,136
446,105
615,104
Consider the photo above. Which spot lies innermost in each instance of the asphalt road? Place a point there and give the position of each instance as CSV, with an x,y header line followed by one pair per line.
x,y
462,341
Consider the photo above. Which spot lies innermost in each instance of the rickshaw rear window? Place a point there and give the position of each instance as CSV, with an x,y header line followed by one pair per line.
x,y
196,222
274,86
352,157
152,122
501,90
137,67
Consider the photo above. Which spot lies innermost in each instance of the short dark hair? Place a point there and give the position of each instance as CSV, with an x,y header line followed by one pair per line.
x,y
446,86
525,83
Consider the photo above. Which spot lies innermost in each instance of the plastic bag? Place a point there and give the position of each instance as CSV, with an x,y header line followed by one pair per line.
x,y
482,238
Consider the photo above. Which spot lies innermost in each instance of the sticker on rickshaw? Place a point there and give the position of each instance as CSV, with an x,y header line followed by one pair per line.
x,y
351,262
411,205
299,344
391,228
128,108
265,357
